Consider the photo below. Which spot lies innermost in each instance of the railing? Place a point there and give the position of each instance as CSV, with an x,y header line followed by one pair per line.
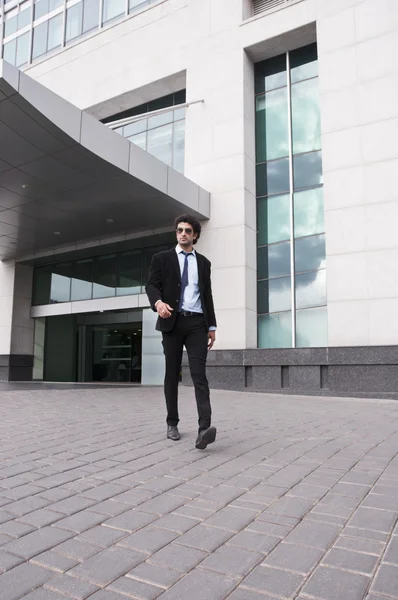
x,y
260,6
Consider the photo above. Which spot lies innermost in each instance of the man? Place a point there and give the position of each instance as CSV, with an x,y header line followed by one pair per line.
x,y
179,290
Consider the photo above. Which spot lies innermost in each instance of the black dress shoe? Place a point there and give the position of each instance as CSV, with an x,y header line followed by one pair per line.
x,y
173,433
205,437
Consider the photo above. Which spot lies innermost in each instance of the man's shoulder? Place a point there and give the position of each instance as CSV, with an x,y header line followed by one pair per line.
x,y
164,253
202,257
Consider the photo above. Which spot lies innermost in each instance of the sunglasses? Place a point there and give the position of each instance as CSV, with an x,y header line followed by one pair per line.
x,y
186,229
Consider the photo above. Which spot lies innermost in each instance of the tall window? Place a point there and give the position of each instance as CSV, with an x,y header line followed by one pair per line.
x,y
161,134
291,287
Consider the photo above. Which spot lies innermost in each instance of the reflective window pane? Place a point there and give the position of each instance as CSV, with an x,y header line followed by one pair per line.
x,y
273,261
137,4
22,49
311,328
274,295
90,15
309,215
113,9
139,140
160,143
61,283
310,253
24,18
270,74
134,128
306,120
41,285
41,8
11,25
273,219
40,39
129,273
311,289
307,170
179,146
9,52
275,331
55,32
272,125
179,114
104,276
304,63
74,21
162,119
55,4
272,177
82,280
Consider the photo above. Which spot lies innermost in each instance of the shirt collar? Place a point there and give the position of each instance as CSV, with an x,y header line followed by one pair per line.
x,y
179,250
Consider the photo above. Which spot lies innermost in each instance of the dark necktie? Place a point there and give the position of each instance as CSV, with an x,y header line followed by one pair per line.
x,y
184,278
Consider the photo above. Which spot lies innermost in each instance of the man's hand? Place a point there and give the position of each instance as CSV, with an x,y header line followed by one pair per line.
x,y
164,310
212,338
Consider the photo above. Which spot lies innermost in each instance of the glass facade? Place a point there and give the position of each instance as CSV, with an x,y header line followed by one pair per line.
x,y
291,287
30,29
162,135
104,276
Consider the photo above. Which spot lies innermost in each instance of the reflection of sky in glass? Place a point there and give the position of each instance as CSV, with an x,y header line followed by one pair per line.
x,y
311,289
273,261
272,125
307,170
273,219
60,288
310,253
311,328
306,122
309,216
275,331
274,295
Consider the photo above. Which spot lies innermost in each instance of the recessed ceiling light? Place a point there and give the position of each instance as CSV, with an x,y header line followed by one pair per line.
x,y
109,220
26,186
57,233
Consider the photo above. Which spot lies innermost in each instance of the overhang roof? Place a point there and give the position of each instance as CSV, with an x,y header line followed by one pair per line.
x,y
63,171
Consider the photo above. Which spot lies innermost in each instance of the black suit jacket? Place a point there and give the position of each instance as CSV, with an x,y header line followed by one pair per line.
x,y
164,284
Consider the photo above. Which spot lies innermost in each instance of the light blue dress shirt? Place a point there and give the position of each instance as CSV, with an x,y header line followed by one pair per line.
x,y
192,300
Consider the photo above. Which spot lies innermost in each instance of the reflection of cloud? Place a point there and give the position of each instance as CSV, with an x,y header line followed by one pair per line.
x,y
311,289
306,122
308,212
279,259
280,294
310,253
312,328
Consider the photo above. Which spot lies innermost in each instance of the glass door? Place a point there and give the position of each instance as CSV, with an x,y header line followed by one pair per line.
x,y
114,353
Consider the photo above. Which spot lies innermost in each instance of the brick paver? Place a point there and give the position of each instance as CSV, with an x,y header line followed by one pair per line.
x,y
296,499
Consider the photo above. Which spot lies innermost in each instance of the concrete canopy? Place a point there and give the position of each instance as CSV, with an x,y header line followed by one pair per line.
x,y
65,177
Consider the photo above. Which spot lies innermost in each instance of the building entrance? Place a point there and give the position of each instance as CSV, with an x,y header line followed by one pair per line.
x,y
114,353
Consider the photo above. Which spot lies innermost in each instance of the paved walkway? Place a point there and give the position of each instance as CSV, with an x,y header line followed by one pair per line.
x,y
298,498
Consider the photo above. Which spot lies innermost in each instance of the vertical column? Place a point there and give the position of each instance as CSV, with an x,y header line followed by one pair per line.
x,y
16,325
7,272
152,350
220,157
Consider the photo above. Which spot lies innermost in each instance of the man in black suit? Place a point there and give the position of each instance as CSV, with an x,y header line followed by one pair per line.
x,y
179,290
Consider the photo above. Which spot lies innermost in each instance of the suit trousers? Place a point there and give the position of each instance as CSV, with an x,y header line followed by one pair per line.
x,y
191,332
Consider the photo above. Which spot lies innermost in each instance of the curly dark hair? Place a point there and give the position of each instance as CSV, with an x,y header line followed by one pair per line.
x,y
187,218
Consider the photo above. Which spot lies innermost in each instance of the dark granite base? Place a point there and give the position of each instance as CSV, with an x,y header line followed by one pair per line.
x,y
363,372
16,367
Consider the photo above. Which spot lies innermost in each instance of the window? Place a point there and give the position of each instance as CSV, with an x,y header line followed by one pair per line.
x,y
118,274
162,135
291,288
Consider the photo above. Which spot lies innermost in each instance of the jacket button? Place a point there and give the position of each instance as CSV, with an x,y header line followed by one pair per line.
x,y
179,285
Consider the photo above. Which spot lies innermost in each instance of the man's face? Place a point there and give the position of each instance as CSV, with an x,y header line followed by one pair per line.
x,y
185,235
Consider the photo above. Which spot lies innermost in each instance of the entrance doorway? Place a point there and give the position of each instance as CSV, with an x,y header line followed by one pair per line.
x,y
113,353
